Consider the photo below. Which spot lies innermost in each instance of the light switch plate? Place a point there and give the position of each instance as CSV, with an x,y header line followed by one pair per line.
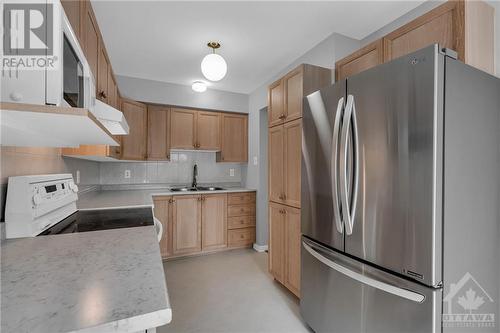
x,y
255,160
127,174
78,176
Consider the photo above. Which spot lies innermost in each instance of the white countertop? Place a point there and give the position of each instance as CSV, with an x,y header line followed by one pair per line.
x,y
100,281
103,199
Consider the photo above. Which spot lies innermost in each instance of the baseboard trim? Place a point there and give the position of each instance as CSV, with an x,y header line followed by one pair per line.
x,y
259,248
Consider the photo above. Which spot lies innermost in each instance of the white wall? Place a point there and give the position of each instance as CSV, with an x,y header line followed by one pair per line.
x,y
324,54
180,95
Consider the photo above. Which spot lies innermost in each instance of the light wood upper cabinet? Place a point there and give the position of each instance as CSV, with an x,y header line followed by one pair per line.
x,y
292,133
285,96
158,132
292,246
103,69
163,212
186,220
234,138
134,144
74,11
91,39
214,221
277,241
182,128
466,27
208,134
363,59
112,97
276,163
276,103
292,83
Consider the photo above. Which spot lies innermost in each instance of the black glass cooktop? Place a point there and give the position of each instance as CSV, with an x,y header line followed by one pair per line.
x,y
102,219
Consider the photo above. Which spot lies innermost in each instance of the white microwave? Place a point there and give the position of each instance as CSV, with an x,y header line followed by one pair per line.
x,y
69,83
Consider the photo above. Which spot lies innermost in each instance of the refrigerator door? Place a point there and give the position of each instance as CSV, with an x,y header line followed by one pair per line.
x,y
395,204
320,203
339,294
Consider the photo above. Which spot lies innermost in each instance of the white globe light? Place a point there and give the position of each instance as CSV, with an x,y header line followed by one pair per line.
x,y
199,86
213,67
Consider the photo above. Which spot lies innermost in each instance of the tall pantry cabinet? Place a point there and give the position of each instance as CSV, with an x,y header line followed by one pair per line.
x,y
285,98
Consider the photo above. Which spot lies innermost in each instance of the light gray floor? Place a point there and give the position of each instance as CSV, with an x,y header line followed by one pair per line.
x,y
229,292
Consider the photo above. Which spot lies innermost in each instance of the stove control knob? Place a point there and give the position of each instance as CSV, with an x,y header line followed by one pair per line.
x,y
37,199
73,187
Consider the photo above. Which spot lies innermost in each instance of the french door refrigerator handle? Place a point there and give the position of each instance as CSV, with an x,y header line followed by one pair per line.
x,y
334,166
348,209
389,288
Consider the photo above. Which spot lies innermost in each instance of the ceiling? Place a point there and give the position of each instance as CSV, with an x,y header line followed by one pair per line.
x,y
166,40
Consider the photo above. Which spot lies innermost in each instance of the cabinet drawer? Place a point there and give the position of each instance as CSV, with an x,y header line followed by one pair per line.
x,y
240,222
241,237
241,198
241,210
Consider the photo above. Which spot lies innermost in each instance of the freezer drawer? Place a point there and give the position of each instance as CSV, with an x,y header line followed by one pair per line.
x,y
342,295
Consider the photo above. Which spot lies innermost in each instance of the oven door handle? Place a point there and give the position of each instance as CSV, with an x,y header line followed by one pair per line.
x,y
159,228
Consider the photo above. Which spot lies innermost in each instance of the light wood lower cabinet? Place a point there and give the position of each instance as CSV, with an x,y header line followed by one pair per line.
x,y
195,224
163,212
186,220
214,221
284,245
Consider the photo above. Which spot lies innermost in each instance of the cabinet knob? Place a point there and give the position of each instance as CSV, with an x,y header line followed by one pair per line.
x,y
282,116
102,94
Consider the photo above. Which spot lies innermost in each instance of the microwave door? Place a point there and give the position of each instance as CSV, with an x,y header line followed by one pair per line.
x,y
320,206
394,202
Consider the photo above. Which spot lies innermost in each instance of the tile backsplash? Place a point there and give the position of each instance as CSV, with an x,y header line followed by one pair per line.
x,y
178,171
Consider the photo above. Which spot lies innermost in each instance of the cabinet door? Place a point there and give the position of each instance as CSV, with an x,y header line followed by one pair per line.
x,y
182,128
158,138
162,212
73,10
134,144
276,107
276,241
441,25
103,69
363,59
292,162
293,94
292,249
234,138
112,89
186,220
276,156
91,47
208,130
214,221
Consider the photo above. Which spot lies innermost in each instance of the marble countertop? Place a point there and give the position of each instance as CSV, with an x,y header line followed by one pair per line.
x,y
118,198
100,281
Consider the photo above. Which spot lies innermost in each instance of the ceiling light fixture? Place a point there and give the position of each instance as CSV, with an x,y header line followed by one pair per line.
x,y
213,66
199,86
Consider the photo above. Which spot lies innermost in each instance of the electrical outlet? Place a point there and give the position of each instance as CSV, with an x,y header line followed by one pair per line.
x,y
127,173
231,172
78,176
255,160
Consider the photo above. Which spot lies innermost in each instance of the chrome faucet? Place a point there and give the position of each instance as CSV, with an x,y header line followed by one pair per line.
x,y
195,174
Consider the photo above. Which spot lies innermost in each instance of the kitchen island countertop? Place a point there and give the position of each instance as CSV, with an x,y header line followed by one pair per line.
x,y
101,281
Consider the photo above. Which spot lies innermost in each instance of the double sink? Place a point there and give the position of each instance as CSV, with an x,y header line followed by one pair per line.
x,y
197,188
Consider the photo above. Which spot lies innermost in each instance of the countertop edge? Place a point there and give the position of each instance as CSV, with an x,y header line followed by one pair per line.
x,y
133,324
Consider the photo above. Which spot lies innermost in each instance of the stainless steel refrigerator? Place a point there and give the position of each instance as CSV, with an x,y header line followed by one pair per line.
x,y
400,199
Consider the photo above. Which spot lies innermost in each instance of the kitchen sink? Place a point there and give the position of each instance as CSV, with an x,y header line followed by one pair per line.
x,y
194,189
